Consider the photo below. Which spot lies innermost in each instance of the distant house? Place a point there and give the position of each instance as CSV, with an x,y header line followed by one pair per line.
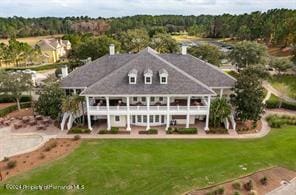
x,y
53,49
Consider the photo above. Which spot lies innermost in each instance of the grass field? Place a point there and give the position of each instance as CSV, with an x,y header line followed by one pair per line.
x,y
286,84
161,166
30,40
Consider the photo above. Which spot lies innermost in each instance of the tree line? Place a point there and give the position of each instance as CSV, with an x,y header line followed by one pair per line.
x,y
276,26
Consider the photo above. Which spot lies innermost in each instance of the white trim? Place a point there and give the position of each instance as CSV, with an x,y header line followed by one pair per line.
x,y
145,95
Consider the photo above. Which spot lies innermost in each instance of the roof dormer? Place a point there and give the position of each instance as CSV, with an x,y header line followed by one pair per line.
x,y
132,76
163,76
148,76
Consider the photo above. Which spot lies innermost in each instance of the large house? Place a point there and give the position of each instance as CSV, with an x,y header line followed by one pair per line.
x,y
148,88
54,49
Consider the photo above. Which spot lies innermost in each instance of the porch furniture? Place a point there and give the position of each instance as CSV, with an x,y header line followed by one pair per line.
x,y
25,119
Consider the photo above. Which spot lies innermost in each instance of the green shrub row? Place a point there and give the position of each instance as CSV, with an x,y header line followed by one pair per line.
x,y
182,130
276,121
149,131
37,67
113,130
275,102
79,130
8,98
219,191
9,109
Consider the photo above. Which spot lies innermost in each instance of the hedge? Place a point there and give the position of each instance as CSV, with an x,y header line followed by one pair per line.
x,y
187,130
36,68
149,131
78,130
275,102
9,109
276,121
8,99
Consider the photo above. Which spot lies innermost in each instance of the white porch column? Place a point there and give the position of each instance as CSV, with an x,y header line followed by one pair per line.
x,y
74,91
128,125
208,114
221,93
148,115
188,108
168,114
108,114
88,115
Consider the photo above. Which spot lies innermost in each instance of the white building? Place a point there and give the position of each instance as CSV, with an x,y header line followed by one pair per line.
x,y
148,89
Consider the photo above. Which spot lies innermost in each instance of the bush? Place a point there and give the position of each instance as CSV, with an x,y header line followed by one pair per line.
x,y
236,193
237,185
5,159
12,108
249,185
114,130
187,130
149,131
11,164
9,98
275,102
76,137
276,121
78,130
263,180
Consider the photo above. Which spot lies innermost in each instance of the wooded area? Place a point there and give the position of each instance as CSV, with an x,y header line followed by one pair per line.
x,y
277,26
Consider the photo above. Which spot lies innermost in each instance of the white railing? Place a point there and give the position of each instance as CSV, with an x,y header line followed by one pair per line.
x,y
152,108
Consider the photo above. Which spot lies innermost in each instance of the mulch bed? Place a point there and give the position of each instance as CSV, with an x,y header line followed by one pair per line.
x,y
247,127
4,105
274,178
21,113
51,150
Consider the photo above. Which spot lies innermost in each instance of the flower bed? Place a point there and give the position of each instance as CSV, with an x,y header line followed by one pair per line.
x,y
276,121
9,109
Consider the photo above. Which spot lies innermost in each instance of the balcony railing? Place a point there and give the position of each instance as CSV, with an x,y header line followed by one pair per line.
x,y
151,108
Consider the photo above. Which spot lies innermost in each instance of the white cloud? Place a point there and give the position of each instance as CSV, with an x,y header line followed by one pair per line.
x,y
109,8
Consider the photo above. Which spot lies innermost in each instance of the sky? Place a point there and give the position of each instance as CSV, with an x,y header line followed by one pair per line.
x,y
117,8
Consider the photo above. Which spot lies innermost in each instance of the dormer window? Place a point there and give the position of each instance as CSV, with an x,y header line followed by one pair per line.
x,y
163,76
132,76
148,76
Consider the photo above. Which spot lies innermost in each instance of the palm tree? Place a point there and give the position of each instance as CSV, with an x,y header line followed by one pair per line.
x,y
220,109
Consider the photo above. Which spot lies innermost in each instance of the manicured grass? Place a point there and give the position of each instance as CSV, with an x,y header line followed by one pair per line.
x,y
162,166
285,84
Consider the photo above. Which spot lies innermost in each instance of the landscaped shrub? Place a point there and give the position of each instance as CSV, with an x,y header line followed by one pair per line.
x,y
42,156
275,102
9,98
252,192
76,137
237,185
276,121
79,130
114,130
149,131
236,193
6,159
263,180
187,130
249,185
288,105
11,164
12,108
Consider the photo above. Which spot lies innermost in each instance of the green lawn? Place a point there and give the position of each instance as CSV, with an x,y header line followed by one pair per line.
x,y
285,84
162,166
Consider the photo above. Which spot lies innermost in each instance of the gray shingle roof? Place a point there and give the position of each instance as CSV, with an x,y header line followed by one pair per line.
x,y
108,75
207,73
116,83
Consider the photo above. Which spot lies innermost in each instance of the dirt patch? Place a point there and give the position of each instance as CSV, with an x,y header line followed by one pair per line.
x,y
21,113
247,127
51,150
4,105
274,177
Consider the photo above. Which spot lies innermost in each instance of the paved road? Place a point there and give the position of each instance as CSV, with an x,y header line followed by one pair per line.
x,y
277,93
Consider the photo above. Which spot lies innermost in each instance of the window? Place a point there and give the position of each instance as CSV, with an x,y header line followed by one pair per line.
x,y
157,118
148,80
151,118
143,99
139,117
144,119
163,80
132,80
161,99
117,118
152,99
162,118
134,119
135,99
